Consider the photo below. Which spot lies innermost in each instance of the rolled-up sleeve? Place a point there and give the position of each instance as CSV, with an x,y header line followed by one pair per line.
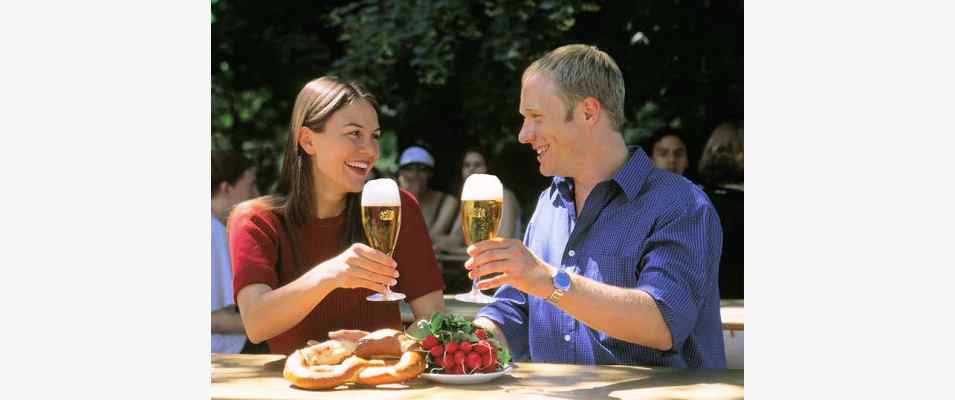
x,y
681,265
253,246
509,312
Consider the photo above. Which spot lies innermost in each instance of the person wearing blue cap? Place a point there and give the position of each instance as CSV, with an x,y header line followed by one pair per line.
x,y
415,168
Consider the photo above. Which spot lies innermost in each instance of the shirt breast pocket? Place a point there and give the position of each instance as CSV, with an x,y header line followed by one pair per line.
x,y
613,270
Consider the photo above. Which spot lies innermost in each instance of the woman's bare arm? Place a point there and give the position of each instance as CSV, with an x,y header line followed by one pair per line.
x,y
268,312
428,304
448,210
508,214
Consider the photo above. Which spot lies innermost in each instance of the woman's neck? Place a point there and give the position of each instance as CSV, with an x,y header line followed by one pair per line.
x,y
329,204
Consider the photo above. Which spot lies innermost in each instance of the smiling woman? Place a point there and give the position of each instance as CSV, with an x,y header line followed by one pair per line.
x,y
301,265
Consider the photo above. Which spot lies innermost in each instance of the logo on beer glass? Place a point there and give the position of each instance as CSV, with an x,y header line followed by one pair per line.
x,y
479,213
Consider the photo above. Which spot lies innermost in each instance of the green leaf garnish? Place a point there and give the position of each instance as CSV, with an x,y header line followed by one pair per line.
x,y
419,330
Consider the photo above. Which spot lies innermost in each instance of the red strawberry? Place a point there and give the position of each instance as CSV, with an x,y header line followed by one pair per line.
x,y
452,347
437,351
459,357
480,333
465,346
429,342
473,361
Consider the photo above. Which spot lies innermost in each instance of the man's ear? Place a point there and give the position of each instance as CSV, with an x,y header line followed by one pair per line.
x,y
590,108
305,140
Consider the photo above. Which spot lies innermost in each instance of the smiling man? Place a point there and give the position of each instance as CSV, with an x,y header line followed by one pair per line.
x,y
619,263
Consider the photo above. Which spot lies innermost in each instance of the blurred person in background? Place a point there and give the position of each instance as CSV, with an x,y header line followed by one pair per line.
x,y
233,181
302,266
415,169
721,172
667,149
474,161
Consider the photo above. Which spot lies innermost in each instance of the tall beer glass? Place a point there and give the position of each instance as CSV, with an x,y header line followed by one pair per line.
x,y
381,218
482,201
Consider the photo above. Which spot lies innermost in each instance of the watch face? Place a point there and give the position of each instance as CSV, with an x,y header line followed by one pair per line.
x,y
562,280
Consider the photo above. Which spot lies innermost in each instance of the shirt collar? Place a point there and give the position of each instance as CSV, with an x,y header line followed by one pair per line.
x,y
629,178
562,185
634,172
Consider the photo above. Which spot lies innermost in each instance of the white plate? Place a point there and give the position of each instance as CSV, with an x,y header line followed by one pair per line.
x,y
466,379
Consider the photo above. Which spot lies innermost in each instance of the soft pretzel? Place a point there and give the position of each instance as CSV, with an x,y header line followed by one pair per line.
x,y
384,342
299,373
408,367
335,362
329,352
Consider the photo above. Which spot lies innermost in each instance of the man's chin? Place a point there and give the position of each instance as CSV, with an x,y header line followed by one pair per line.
x,y
546,172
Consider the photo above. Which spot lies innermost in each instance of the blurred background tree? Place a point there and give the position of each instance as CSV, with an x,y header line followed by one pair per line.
x,y
447,72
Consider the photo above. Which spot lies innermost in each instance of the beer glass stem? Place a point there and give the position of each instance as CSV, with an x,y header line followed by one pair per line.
x,y
475,295
474,288
388,295
387,291
388,288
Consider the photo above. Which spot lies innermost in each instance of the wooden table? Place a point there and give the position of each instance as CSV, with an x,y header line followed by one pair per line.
x,y
246,376
731,311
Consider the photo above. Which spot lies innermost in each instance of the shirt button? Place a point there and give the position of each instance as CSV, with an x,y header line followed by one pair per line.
x,y
571,253
566,338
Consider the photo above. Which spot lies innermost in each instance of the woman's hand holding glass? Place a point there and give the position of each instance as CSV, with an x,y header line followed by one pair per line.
x,y
361,266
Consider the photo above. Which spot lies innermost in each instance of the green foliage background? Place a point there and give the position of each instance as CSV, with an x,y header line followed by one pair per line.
x,y
447,72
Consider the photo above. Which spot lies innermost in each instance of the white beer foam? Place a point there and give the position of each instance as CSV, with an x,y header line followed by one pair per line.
x,y
482,187
380,192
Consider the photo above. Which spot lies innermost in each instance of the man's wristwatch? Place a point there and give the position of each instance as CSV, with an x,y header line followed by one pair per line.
x,y
561,286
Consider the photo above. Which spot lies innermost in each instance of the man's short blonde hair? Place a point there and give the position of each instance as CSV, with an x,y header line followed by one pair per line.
x,y
581,71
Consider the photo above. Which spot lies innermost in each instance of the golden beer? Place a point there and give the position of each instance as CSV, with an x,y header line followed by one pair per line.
x,y
480,219
482,203
381,225
381,220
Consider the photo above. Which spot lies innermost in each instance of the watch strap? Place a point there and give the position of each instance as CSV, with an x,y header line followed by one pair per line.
x,y
555,296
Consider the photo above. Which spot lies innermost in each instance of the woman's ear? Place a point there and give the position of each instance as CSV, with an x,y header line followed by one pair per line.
x,y
305,140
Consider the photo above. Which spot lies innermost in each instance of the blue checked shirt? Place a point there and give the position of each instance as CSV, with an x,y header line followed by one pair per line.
x,y
646,229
